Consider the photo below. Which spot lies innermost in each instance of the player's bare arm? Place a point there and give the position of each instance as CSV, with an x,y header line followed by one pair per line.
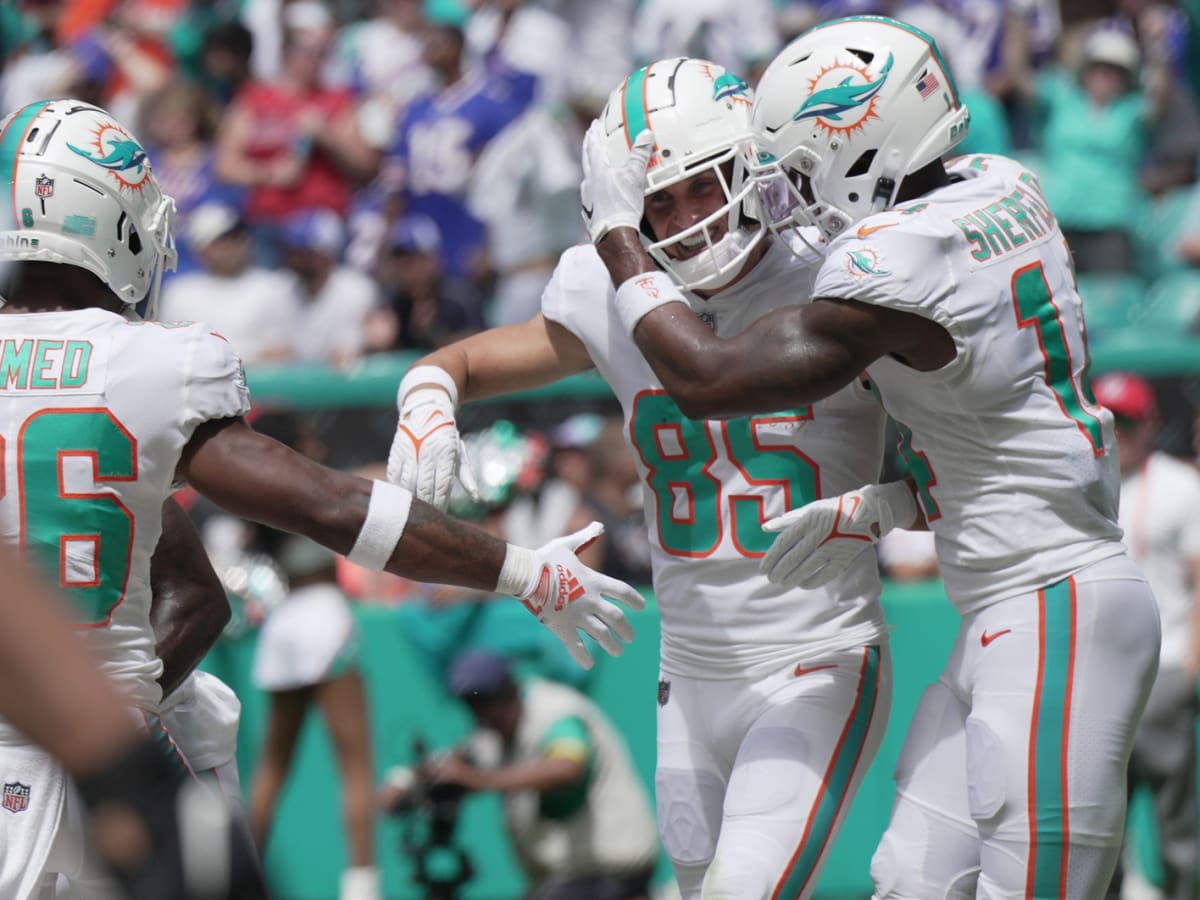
x,y
190,608
384,527
255,477
510,358
794,355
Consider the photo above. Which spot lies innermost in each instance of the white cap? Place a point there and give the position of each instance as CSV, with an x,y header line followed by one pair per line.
x,y
206,223
1112,46
307,15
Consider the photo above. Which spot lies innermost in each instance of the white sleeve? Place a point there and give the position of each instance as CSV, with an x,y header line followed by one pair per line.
x,y
214,381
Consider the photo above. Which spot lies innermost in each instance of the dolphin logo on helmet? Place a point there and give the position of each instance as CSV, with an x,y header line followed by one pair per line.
x,y
125,155
831,103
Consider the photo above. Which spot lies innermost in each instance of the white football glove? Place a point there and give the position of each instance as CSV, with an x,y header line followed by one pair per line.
x,y
613,196
568,597
427,452
818,542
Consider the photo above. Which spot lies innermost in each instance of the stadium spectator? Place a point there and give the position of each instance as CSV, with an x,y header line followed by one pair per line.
x,y
250,306
381,60
428,169
423,307
523,43
292,141
179,123
308,654
1094,129
528,174
576,813
1160,497
334,300
225,54
740,36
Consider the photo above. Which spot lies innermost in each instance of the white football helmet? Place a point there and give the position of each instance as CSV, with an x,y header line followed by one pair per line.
x,y
82,192
700,115
844,113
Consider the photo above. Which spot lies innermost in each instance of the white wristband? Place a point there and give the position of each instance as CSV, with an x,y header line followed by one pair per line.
x,y
645,293
427,375
518,572
387,514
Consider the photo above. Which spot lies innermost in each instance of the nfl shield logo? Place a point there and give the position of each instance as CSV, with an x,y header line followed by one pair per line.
x,y
664,692
16,796
43,186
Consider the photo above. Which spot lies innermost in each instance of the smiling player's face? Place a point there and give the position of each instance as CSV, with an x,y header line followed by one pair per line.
x,y
681,205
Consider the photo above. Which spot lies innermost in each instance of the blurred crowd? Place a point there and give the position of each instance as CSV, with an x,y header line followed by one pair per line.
x,y
357,177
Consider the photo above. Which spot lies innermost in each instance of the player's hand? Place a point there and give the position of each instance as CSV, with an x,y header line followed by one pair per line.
x,y
568,597
613,196
165,834
427,452
819,541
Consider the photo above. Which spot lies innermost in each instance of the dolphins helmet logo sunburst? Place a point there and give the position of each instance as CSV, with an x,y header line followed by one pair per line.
x,y
842,97
119,154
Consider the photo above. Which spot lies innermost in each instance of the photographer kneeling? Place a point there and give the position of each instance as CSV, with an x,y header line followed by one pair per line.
x,y
576,812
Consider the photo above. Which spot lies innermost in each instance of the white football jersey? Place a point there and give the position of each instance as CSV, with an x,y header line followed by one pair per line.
x,y
94,413
1015,462
709,486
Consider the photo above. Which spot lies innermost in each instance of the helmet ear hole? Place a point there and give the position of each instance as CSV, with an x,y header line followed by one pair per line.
x,y
135,240
862,165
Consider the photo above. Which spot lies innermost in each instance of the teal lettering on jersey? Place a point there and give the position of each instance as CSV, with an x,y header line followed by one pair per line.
x,y
15,355
1035,308
691,502
42,364
920,470
84,539
994,210
1012,205
75,364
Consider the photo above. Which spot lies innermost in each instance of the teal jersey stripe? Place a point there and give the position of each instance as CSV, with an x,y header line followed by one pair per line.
x,y
636,120
836,784
1049,742
10,145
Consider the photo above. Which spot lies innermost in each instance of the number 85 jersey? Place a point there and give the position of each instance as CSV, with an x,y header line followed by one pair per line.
x,y
94,413
709,485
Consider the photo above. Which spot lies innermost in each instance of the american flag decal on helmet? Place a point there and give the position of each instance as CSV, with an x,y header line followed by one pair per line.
x,y
927,83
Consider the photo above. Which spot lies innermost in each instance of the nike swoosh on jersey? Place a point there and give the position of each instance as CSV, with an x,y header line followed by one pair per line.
x,y
800,670
986,638
865,231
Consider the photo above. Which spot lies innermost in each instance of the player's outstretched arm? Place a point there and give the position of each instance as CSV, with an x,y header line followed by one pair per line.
x,y
189,607
381,526
427,453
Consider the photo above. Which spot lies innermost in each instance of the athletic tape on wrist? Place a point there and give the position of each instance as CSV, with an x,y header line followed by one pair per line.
x,y
643,294
387,514
427,375
517,573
